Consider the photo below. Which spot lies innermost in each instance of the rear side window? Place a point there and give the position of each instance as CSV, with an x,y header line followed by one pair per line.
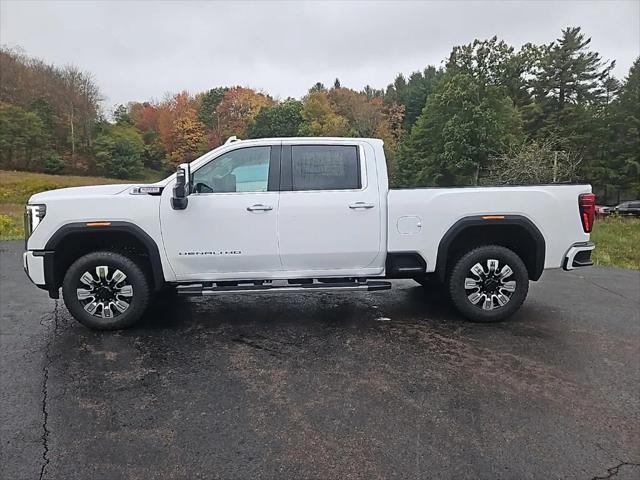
x,y
325,167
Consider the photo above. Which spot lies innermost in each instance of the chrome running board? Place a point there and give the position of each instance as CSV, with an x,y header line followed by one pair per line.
x,y
367,286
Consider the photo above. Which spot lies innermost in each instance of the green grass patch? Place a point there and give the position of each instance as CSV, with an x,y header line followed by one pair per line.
x,y
617,242
11,228
17,187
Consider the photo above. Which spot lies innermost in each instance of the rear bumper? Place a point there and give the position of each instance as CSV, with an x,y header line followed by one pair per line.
x,y
579,255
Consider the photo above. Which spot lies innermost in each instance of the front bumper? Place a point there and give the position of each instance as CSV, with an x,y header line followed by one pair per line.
x,y
38,265
579,255
34,267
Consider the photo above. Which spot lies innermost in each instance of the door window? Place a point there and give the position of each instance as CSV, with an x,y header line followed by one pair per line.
x,y
325,167
242,170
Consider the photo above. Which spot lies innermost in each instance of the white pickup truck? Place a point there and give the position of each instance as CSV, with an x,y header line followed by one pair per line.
x,y
298,215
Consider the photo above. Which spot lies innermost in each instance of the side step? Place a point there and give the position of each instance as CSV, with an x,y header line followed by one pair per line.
x,y
368,286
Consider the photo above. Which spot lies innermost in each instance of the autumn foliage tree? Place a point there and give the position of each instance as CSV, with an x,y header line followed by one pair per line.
x,y
189,139
319,119
181,133
490,108
238,109
66,100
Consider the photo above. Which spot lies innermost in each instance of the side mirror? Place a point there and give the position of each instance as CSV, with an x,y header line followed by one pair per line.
x,y
179,201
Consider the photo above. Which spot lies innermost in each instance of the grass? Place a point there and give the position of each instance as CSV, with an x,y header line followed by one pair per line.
x,y
17,187
616,238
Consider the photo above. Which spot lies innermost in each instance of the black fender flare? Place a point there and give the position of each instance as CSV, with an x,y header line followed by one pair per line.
x,y
490,221
107,227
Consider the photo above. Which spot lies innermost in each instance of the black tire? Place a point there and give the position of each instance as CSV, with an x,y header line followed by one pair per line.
x,y
137,297
490,288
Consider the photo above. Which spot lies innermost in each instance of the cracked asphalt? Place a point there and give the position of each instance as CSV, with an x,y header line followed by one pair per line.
x,y
322,386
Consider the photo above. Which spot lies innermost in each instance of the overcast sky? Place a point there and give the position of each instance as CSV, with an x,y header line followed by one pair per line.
x,y
141,50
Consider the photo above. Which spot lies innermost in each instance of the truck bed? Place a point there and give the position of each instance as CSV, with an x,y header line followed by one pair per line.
x,y
419,218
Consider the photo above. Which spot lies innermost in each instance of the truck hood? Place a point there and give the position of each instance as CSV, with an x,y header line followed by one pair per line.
x,y
79,192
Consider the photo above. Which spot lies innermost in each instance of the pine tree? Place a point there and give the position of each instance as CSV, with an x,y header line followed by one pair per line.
x,y
625,154
571,78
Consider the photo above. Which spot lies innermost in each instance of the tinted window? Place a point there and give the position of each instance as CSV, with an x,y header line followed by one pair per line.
x,y
324,167
242,170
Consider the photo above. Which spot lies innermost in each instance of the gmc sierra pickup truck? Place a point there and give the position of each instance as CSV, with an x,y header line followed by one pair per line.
x,y
298,215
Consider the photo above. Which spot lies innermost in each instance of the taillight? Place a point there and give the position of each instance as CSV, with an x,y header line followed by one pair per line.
x,y
587,204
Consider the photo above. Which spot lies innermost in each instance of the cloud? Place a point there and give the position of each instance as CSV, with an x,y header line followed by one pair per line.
x,y
140,50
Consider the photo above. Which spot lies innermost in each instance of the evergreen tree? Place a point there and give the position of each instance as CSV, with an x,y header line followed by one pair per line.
x,y
318,87
121,115
623,169
209,101
412,93
570,79
118,151
463,124
419,87
280,120
24,140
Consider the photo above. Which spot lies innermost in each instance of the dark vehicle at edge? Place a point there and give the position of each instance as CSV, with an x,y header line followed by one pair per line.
x,y
631,208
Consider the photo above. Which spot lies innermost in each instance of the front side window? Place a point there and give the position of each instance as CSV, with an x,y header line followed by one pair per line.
x,y
242,170
325,167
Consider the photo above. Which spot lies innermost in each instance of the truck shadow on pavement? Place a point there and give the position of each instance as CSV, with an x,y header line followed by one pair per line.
x,y
331,310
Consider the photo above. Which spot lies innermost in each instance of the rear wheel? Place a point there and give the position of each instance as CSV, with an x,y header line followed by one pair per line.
x,y
488,284
106,291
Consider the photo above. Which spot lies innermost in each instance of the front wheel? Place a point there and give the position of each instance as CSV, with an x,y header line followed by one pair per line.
x,y
106,291
488,284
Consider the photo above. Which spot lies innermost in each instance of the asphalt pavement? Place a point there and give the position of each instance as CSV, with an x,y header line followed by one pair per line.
x,y
321,386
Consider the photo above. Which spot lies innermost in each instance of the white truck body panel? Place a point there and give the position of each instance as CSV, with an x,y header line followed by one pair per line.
x,y
309,239
553,209
83,204
306,233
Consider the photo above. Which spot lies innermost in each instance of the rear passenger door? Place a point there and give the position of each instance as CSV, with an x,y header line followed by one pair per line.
x,y
329,218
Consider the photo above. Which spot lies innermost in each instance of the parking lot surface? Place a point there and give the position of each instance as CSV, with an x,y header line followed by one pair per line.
x,y
349,385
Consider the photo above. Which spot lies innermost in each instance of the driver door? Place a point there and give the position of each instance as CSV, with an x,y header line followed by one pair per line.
x,y
229,228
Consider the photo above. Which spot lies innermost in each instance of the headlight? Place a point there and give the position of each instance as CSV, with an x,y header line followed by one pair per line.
x,y
33,215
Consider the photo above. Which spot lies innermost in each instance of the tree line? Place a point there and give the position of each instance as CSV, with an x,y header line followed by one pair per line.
x,y
491,114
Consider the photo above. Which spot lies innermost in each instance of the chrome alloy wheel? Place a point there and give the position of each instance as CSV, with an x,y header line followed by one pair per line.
x,y
106,295
490,288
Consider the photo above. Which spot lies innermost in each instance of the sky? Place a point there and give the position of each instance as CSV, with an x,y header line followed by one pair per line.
x,y
143,50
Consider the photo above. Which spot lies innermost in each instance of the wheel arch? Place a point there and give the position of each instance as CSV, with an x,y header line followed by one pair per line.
x,y
73,240
515,232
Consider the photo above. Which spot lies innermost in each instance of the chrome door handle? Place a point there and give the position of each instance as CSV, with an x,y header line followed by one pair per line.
x,y
353,206
258,207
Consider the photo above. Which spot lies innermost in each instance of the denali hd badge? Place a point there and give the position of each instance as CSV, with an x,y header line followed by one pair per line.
x,y
220,252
